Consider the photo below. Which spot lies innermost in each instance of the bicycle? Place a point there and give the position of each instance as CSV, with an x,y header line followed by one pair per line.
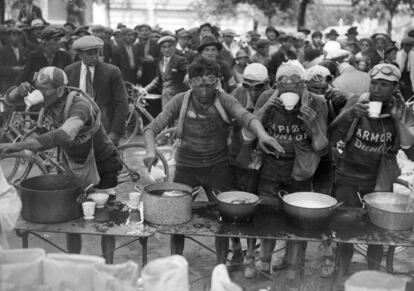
x,y
22,165
136,112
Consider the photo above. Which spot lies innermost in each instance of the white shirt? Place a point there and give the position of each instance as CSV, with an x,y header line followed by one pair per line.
x,y
165,61
82,77
16,52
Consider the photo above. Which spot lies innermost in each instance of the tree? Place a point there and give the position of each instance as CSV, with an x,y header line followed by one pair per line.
x,y
383,10
2,10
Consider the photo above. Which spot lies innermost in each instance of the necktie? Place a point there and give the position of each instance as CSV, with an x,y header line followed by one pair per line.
x,y
164,67
88,83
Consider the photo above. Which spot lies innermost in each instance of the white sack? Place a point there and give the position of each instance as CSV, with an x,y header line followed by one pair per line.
x,y
220,280
120,277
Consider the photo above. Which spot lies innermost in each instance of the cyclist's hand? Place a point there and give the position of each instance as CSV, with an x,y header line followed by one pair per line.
x,y
139,74
143,91
150,159
24,88
359,109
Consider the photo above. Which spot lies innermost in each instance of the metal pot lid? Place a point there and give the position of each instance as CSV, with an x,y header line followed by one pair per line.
x,y
309,200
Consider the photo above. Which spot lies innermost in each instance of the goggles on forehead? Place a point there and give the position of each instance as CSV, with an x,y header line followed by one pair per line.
x,y
386,70
209,80
291,79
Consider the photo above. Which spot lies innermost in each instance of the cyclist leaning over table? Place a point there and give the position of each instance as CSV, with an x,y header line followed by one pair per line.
x,y
204,115
245,172
368,161
79,133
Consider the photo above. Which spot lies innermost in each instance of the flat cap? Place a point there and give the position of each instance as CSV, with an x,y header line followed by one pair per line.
x,y
98,27
284,37
87,42
128,31
166,38
262,42
37,23
332,32
51,32
183,33
229,31
70,24
407,40
338,55
379,35
82,30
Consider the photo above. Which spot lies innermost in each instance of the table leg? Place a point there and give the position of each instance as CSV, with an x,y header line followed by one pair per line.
x,y
25,237
143,241
390,259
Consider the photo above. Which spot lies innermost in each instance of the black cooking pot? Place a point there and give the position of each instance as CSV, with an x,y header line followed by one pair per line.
x,y
237,206
50,198
309,210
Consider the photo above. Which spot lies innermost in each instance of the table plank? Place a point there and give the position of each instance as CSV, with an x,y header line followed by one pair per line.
x,y
350,225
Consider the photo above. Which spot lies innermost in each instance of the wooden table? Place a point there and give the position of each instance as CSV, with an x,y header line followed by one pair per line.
x,y
112,222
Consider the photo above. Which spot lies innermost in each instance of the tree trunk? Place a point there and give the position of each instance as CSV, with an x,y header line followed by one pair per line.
x,y
389,25
108,12
2,10
302,13
269,20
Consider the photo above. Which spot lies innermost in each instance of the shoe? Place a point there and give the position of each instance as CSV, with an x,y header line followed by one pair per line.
x,y
250,272
265,267
279,265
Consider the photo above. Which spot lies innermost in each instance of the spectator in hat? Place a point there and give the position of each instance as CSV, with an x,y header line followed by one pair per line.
x,y
75,11
47,55
252,38
377,54
242,60
316,41
284,54
99,31
312,57
298,43
156,34
29,12
365,45
205,29
81,31
350,79
117,38
148,52
332,35
183,45
351,34
3,35
405,61
172,69
261,55
69,28
209,49
391,55
32,36
272,35
125,56
11,59
230,48
108,34
103,82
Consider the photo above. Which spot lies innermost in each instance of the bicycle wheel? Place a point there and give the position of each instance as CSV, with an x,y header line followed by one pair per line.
x,y
133,126
132,156
20,166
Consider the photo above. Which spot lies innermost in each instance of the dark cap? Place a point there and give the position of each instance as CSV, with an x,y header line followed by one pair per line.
x,y
332,32
82,30
285,37
207,24
352,30
407,40
317,34
128,31
305,30
379,35
51,32
209,41
183,33
70,24
262,42
271,28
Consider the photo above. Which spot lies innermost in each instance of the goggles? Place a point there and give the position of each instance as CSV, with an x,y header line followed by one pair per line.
x,y
209,80
291,79
257,86
386,70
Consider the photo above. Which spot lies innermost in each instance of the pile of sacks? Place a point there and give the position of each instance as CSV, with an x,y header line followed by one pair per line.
x,y
32,269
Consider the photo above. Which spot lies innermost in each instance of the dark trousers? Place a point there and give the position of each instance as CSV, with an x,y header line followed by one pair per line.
x,y
215,177
108,170
348,194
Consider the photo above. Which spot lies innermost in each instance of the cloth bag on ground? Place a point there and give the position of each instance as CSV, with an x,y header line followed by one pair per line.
x,y
21,267
169,273
70,271
374,281
10,206
120,277
220,280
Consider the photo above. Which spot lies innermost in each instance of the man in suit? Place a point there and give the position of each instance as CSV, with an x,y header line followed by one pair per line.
x,y
148,53
48,55
99,31
103,82
11,59
183,45
171,73
126,58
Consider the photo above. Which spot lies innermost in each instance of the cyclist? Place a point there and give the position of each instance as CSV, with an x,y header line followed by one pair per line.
x,y
203,115
79,133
